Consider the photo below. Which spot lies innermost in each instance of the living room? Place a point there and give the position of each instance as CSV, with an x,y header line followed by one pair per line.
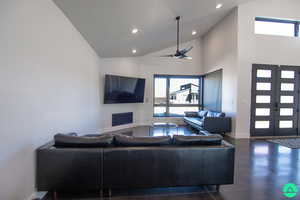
x,y
236,60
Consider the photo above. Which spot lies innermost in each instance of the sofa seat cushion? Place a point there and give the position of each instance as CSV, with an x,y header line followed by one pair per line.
x,y
62,140
215,114
197,140
130,141
195,120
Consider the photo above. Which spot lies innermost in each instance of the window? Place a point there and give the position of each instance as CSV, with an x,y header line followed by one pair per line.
x,y
276,27
174,95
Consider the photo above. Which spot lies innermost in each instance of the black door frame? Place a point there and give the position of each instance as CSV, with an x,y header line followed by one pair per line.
x,y
274,117
294,105
269,131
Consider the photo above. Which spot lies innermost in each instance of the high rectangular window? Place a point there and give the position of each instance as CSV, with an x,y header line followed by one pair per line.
x,y
175,95
268,26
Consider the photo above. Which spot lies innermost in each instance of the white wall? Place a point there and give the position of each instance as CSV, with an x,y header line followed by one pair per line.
x,y
146,67
262,49
153,64
48,83
233,46
220,52
123,67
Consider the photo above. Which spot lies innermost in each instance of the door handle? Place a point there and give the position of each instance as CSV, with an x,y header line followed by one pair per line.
x,y
276,107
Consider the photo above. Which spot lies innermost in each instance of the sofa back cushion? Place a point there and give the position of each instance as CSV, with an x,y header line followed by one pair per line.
x,y
130,141
197,140
63,140
202,113
215,114
191,114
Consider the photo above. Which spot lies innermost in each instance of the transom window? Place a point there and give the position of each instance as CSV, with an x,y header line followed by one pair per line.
x,y
278,27
174,95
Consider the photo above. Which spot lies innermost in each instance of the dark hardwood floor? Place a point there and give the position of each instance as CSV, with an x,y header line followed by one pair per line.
x,y
261,170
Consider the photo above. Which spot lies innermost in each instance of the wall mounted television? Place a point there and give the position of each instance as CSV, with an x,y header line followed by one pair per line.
x,y
121,89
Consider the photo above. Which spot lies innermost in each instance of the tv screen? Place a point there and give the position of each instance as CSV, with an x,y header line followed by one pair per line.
x,y
120,89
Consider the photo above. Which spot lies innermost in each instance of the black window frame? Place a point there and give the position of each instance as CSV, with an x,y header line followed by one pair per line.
x,y
167,105
283,21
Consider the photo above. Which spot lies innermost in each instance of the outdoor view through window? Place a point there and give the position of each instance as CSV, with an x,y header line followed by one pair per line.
x,y
174,95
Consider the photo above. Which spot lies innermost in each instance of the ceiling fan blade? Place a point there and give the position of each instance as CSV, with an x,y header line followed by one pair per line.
x,y
168,56
188,58
184,57
184,51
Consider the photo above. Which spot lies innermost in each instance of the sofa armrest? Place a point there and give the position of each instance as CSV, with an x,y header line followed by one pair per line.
x,y
217,124
191,114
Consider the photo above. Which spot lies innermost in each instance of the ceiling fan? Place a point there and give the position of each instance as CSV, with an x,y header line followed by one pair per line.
x,y
179,54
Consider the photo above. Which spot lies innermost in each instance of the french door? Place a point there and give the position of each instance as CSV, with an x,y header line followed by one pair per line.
x,y
274,100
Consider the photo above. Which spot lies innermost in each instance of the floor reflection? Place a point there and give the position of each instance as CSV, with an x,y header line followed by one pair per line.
x,y
273,166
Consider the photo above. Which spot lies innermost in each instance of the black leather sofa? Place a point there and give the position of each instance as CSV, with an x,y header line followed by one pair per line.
x,y
208,121
130,162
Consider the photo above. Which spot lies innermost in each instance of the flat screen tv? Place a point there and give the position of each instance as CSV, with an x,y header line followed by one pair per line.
x,y
120,89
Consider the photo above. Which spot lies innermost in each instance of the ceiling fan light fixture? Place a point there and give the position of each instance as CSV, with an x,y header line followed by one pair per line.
x,y
194,32
134,51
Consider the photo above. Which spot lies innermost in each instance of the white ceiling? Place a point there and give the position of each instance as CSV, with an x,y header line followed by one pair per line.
x,y
107,24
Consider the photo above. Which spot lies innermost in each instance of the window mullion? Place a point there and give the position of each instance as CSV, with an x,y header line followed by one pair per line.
x,y
200,93
297,24
168,96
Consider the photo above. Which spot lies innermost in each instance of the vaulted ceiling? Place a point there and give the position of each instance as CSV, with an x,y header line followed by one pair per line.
x,y
107,24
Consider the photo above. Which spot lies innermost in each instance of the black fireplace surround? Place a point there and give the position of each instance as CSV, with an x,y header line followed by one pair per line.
x,y
73,163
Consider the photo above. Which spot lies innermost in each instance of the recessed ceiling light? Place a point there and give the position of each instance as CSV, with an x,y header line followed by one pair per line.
x,y
194,32
134,51
135,31
219,5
